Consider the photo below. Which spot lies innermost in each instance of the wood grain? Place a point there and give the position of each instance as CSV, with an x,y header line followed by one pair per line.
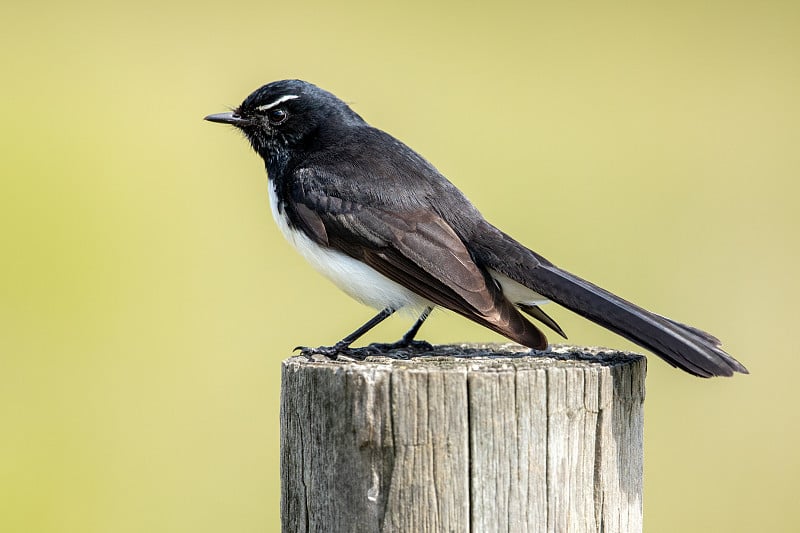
x,y
476,438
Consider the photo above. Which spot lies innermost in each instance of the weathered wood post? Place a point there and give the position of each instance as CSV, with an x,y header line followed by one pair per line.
x,y
494,441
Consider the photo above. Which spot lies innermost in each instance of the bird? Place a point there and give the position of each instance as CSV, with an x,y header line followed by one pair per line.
x,y
385,226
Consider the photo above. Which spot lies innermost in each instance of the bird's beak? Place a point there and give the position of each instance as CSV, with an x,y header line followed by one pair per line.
x,y
226,118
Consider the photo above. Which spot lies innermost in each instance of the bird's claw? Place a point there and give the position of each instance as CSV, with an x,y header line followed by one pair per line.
x,y
402,349
409,348
331,352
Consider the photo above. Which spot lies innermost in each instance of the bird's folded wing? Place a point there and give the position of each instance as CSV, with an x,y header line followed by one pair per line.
x,y
417,249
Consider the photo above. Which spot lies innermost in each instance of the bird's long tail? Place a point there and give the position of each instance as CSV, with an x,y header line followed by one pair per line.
x,y
685,347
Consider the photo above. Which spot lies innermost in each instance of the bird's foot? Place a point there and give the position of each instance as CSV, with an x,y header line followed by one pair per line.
x,y
331,352
402,349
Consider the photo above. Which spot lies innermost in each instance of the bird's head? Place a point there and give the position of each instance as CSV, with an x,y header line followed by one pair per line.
x,y
287,116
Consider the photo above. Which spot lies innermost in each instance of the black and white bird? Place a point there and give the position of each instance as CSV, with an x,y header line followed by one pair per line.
x,y
388,229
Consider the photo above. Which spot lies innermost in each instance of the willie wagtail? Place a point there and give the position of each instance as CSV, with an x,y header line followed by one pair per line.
x,y
388,229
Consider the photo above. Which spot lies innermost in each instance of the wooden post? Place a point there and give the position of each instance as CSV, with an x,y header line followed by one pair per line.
x,y
477,438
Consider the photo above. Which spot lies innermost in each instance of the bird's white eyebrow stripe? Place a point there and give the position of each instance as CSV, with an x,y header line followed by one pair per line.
x,y
280,100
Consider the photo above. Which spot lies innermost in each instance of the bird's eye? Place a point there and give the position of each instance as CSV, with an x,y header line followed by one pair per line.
x,y
277,116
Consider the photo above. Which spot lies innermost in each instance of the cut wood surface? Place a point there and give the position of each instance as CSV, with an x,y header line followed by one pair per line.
x,y
477,438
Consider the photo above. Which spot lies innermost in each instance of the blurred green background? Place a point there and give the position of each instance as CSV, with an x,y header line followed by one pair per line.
x,y
145,300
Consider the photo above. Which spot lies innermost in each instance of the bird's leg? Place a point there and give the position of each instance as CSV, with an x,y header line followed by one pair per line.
x,y
344,344
408,339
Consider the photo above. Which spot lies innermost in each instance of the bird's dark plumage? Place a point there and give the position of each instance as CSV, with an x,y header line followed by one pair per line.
x,y
388,228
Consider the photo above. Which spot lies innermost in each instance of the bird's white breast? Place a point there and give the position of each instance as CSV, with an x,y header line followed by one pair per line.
x,y
358,280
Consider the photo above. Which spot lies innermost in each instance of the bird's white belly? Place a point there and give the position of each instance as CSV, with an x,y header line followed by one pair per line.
x,y
357,279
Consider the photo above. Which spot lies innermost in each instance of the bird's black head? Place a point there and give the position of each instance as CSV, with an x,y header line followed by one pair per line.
x,y
286,116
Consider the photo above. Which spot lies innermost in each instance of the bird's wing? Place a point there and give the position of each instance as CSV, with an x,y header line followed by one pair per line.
x,y
413,247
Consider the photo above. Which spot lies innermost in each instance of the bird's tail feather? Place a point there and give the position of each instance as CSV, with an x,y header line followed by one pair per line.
x,y
685,347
